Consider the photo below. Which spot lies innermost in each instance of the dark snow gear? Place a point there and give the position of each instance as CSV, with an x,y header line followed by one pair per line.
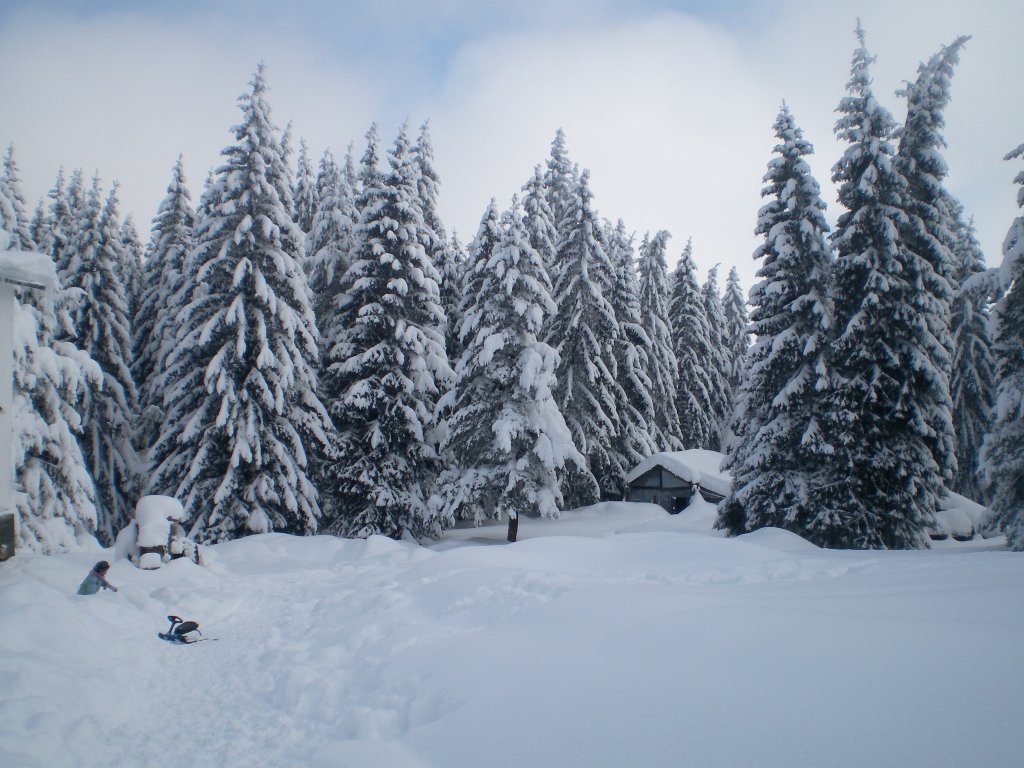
x,y
179,631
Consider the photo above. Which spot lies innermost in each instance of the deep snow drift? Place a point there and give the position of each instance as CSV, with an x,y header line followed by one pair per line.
x,y
615,636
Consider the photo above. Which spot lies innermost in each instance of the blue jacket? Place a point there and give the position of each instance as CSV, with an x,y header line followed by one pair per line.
x,y
93,583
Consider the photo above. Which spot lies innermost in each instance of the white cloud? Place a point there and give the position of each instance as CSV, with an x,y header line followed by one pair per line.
x,y
671,113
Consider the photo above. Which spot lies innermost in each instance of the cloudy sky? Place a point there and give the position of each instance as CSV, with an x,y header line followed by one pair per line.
x,y
669,104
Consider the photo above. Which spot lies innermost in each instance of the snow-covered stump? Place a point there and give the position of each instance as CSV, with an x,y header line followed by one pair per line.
x,y
155,534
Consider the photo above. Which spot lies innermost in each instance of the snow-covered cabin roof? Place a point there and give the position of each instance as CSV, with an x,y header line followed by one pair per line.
x,y
695,466
26,267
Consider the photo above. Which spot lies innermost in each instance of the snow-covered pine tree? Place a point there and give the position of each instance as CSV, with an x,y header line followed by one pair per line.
x,y
584,333
40,229
451,271
737,333
718,364
633,442
691,341
244,432
287,148
507,436
776,458
428,187
883,483
478,256
330,242
1003,452
55,510
94,263
929,233
66,206
662,369
561,177
18,227
307,192
972,381
155,320
132,265
540,220
387,365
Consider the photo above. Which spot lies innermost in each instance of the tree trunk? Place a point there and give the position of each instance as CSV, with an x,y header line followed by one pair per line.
x,y
513,527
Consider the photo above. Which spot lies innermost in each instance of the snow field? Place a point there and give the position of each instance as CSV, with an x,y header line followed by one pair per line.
x,y
615,636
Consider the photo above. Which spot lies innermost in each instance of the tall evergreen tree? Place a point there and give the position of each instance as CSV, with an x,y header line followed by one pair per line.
x,y
972,381
718,364
40,229
633,442
246,429
540,219
662,368
155,320
561,178
884,481
507,436
427,190
14,216
928,233
777,457
692,344
132,265
1003,452
330,240
737,333
307,193
479,253
388,364
584,333
55,510
100,319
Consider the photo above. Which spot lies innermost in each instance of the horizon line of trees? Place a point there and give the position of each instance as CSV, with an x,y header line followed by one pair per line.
x,y
312,351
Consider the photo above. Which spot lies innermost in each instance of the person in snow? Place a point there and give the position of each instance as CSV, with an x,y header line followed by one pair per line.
x,y
96,580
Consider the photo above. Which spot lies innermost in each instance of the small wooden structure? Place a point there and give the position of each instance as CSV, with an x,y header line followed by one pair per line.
x,y
671,478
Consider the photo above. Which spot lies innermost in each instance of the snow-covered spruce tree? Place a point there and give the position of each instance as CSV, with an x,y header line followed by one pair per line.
x,y
387,366
478,256
776,458
132,265
737,333
243,433
633,442
662,369
40,229
55,510
883,481
427,188
451,272
330,241
95,258
507,437
584,333
155,320
691,341
972,381
561,177
928,231
718,363
540,220
14,216
1003,452
307,194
